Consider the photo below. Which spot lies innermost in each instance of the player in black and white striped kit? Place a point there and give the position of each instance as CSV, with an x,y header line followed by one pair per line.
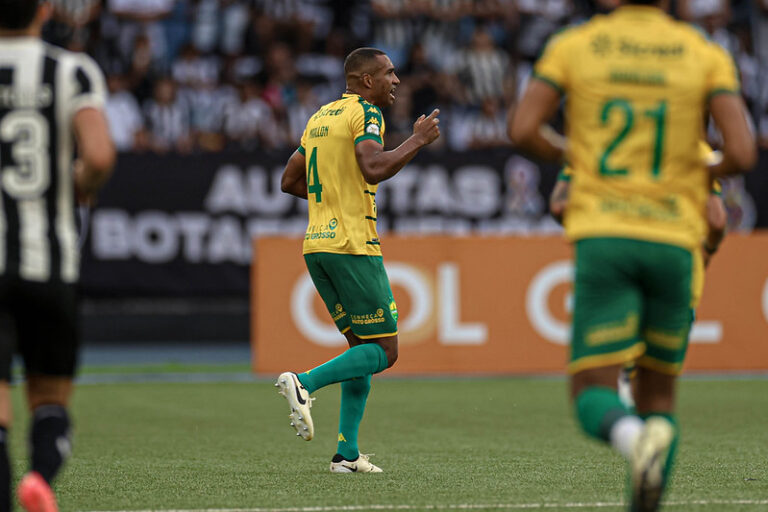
x,y
50,102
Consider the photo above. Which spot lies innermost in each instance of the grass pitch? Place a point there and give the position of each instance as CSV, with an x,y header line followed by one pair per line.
x,y
506,443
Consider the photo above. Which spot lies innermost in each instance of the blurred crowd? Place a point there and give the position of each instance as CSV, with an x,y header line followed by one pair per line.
x,y
211,75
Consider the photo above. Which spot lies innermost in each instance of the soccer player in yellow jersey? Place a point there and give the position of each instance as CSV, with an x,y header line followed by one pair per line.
x,y
337,169
636,85
717,219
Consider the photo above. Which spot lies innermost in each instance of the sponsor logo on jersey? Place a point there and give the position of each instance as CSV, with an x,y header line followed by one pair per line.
x,y
372,128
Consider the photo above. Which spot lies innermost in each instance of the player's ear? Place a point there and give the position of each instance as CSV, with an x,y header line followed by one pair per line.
x,y
367,80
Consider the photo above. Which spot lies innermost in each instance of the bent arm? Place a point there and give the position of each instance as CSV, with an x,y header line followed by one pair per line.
x,y
739,146
294,180
96,152
378,165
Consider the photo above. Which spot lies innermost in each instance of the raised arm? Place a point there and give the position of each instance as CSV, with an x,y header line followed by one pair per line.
x,y
294,179
378,165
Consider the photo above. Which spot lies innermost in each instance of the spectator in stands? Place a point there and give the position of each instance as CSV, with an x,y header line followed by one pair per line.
x,y
485,70
299,111
394,28
712,16
124,116
249,123
452,53
167,119
135,17
488,127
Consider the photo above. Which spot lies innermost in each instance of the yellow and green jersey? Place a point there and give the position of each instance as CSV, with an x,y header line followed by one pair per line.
x,y
706,153
637,84
342,206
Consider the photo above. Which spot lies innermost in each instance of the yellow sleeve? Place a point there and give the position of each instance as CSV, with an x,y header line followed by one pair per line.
x,y
717,187
302,147
723,77
367,123
565,174
552,66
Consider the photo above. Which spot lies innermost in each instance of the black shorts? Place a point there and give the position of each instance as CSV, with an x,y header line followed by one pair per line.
x,y
40,322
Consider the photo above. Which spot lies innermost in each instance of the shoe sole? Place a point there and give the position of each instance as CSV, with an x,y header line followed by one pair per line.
x,y
301,420
648,469
339,468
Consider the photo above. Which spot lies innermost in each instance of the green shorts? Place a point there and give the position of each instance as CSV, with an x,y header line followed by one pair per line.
x,y
356,291
632,301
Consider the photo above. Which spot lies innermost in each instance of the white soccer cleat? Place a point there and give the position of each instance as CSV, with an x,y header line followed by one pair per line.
x,y
648,462
300,403
360,465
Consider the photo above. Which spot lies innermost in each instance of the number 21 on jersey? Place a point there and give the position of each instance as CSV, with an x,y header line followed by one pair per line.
x,y
657,115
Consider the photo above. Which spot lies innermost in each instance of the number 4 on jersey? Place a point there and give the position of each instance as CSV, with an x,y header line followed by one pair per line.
x,y
313,180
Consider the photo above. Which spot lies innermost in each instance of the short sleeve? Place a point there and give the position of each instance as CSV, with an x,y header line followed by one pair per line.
x,y
367,123
722,76
303,146
565,174
89,90
552,66
717,188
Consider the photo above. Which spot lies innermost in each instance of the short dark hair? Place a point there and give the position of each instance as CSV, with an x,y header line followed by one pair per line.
x,y
17,14
360,59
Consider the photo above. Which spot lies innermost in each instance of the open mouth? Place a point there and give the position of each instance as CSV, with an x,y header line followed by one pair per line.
x,y
392,93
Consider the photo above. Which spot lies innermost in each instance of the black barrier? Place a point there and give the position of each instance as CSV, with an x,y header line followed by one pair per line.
x,y
171,225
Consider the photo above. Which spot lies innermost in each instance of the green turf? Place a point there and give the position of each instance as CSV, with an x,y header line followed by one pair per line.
x,y
440,442
165,368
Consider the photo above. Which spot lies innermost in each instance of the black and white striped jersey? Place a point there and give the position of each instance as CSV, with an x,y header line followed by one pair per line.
x,y
41,88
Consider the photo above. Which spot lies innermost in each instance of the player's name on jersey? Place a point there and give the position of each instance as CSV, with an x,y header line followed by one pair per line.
x,y
634,77
319,131
11,97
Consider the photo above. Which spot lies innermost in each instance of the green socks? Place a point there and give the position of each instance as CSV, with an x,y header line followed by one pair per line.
x,y
597,409
354,394
358,361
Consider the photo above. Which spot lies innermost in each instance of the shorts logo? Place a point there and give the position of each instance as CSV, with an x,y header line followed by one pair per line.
x,y
339,313
379,312
393,310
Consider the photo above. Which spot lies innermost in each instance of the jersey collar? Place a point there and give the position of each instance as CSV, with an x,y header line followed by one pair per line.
x,y
644,11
